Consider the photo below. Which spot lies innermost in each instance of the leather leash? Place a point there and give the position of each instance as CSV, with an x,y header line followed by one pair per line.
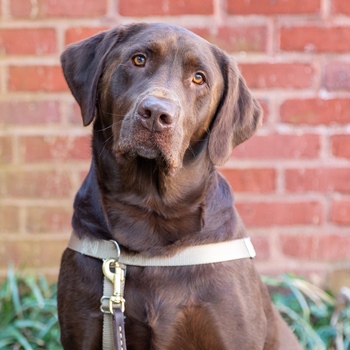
x,y
119,330
114,270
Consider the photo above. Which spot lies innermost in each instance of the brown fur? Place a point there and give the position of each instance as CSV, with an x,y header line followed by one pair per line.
x,y
154,188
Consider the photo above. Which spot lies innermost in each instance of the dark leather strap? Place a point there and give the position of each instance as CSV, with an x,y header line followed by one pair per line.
x,y
118,330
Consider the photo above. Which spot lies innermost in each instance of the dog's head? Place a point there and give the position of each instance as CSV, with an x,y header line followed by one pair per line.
x,y
159,91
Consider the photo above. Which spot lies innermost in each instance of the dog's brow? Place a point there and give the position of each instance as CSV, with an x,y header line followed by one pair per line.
x,y
155,47
150,46
194,62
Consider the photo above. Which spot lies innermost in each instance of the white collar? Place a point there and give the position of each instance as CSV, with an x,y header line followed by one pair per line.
x,y
193,255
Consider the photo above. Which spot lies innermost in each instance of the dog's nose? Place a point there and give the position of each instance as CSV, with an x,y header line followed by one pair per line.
x,y
157,114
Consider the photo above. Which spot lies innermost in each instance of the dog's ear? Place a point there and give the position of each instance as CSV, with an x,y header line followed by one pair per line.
x,y
238,115
82,65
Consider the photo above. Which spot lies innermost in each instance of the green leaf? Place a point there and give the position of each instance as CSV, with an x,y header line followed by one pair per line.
x,y
36,291
18,338
299,297
313,339
13,287
28,324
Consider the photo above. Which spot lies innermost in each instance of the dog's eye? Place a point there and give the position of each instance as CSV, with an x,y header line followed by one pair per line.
x,y
198,79
139,60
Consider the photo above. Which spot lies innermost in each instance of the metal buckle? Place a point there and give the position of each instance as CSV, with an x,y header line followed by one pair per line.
x,y
117,248
117,277
115,272
104,308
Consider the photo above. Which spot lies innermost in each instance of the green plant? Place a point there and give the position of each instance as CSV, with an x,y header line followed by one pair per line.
x,y
319,320
28,310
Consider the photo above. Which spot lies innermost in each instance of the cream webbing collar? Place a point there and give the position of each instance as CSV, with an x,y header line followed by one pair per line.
x,y
193,255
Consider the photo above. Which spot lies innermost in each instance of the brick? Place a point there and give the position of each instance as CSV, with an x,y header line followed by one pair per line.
x,y
341,6
79,33
82,175
318,179
6,151
9,219
36,78
277,146
203,32
31,253
22,9
251,180
28,113
74,113
142,8
280,213
333,247
277,75
48,219
262,247
62,8
28,41
77,8
340,145
340,211
315,111
268,7
328,247
266,109
315,39
236,39
336,76
50,148
298,246
37,184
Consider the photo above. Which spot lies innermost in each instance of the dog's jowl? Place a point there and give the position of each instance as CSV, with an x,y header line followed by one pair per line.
x,y
159,256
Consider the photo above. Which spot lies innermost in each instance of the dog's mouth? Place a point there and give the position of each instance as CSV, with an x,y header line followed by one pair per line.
x,y
137,145
142,152
147,149
148,153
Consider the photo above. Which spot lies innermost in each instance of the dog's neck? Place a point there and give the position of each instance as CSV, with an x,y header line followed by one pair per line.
x,y
138,203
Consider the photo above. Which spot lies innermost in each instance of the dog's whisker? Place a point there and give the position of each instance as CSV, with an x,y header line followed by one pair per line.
x,y
108,127
118,122
105,144
104,129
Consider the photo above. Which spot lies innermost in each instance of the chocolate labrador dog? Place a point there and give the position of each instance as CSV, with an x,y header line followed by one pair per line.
x,y
167,107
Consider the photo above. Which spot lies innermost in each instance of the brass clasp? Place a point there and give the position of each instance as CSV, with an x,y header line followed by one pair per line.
x,y
115,272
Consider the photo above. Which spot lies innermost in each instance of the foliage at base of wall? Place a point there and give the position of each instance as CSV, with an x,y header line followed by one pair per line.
x,y
28,309
320,320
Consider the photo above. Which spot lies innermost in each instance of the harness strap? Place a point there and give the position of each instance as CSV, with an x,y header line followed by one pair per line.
x,y
113,318
194,255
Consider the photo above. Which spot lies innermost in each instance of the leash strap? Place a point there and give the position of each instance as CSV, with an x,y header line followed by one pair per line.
x,y
118,330
107,333
113,303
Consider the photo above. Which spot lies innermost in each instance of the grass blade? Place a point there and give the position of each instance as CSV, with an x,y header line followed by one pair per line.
x,y
13,289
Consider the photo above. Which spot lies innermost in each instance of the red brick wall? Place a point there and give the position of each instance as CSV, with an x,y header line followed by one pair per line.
x,y
292,180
